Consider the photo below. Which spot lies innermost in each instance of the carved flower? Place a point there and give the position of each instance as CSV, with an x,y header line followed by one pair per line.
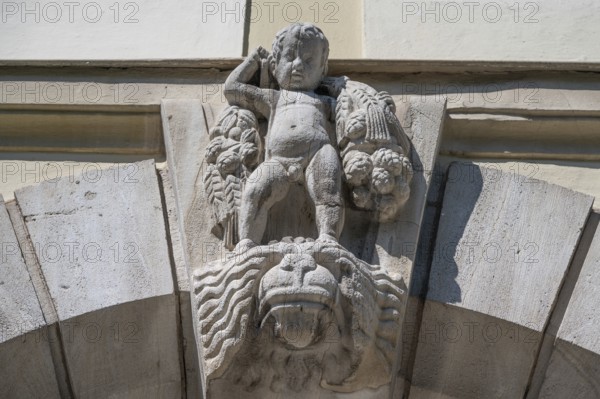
x,y
228,162
382,181
388,160
214,148
357,166
361,196
249,154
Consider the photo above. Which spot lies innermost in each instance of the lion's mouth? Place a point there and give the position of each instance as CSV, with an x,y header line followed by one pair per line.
x,y
299,317
287,296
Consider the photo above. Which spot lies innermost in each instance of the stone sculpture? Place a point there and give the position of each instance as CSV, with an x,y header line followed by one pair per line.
x,y
291,132
298,314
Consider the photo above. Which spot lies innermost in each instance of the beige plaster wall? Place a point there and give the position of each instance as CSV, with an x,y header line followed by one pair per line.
x,y
341,21
109,29
548,30
504,30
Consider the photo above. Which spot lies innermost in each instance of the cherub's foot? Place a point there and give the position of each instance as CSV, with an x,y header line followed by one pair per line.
x,y
324,237
244,245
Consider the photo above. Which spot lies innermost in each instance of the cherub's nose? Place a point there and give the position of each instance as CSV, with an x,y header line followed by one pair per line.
x,y
298,65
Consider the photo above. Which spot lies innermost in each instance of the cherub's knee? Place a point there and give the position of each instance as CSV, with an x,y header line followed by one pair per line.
x,y
327,157
252,193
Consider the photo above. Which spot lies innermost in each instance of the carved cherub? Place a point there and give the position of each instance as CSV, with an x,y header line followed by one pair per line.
x,y
322,132
298,147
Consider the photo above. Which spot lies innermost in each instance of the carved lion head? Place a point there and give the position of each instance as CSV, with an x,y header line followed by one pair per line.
x,y
298,313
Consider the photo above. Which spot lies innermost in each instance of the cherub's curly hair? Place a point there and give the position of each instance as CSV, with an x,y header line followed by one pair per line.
x,y
305,31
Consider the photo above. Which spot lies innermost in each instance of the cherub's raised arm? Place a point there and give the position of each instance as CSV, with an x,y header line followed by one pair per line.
x,y
239,92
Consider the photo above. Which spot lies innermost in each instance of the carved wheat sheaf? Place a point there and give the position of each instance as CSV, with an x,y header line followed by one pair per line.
x,y
226,296
375,150
213,184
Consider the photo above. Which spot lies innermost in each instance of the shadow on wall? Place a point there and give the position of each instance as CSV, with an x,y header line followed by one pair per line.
x,y
464,184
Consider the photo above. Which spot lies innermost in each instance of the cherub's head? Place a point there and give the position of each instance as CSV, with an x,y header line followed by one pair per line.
x,y
299,58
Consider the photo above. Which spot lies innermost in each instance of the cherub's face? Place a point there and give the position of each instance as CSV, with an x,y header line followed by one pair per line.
x,y
301,63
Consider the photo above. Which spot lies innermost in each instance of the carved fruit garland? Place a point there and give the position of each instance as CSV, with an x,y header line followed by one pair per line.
x,y
375,150
232,154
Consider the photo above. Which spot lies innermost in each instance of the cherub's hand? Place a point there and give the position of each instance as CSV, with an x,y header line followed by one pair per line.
x,y
259,54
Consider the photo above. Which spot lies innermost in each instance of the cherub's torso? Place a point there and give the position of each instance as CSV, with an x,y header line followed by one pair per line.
x,y
297,127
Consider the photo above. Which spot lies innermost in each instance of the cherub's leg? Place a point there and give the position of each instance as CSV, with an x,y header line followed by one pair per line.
x,y
266,186
323,181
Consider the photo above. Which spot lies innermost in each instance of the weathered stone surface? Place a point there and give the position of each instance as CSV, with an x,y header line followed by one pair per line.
x,y
125,351
574,367
502,251
396,243
93,241
518,233
25,355
100,240
419,278
20,312
463,354
186,137
190,351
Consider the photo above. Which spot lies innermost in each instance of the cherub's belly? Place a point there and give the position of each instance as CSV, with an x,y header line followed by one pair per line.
x,y
296,139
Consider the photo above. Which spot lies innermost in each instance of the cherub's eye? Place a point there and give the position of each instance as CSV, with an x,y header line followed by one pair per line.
x,y
309,60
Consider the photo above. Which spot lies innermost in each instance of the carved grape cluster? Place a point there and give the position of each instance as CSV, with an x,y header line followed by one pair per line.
x,y
235,144
379,181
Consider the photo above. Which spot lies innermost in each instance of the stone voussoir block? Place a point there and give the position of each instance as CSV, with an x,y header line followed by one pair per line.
x,y
503,247
100,241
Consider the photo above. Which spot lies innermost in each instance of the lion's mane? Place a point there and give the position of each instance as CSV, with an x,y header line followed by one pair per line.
x,y
226,301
